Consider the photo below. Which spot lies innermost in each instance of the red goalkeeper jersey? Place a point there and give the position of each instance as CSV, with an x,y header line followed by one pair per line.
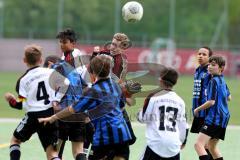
x,y
120,63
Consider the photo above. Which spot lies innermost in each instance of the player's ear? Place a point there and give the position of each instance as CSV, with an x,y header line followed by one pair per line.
x,y
40,61
25,60
73,43
222,68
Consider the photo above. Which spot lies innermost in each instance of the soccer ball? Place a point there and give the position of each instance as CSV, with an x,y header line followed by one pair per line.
x,y
132,11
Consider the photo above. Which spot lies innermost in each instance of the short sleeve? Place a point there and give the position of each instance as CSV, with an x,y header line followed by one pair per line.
x,y
212,90
22,91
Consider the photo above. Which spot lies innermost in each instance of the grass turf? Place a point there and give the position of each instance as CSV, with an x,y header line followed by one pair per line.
x,y
183,88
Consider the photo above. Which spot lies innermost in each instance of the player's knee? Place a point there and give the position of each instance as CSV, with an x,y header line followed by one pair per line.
x,y
14,140
206,146
197,145
211,148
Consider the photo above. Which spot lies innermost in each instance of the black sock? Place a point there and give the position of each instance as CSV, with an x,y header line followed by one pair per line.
x,y
60,153
81,156
220,158
209,154
204,157
15,152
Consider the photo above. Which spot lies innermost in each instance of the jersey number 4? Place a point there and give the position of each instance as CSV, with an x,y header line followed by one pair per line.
x,y
42,93
171,117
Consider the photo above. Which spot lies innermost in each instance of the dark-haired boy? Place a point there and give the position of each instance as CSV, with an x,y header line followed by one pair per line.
x,y
73,68
218,114
201,80
164,114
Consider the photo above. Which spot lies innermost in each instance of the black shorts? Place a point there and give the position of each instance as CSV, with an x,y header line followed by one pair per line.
x,y
197,124
215,132
29,125
110,151
150,155
72,131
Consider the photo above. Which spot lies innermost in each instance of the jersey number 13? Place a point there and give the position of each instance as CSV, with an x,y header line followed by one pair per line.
x,y
172,116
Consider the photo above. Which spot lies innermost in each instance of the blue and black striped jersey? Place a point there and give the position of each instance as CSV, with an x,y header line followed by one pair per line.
x,y
103,103
218,114
75,88
201,80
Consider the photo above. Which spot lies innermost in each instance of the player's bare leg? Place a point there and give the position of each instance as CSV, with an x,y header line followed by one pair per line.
x,y
207,150
52,153
77,151
202,140
214,149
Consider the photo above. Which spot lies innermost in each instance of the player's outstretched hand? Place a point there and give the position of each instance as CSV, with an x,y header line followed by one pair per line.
x,y
46,120
8,96
195,112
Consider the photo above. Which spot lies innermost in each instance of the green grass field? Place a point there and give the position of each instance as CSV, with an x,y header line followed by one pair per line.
x,y
33,151
183,88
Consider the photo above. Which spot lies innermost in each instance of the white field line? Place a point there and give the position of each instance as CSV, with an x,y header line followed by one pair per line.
x,y
6,145
9,120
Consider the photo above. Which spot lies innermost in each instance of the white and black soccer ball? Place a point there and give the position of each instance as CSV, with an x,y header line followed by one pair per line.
x,y
132,11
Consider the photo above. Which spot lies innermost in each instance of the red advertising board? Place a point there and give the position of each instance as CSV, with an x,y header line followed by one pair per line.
x,y
184,60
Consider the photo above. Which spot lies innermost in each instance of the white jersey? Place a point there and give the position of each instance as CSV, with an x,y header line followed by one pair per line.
x,y
75,53
164,114
80,59
34,87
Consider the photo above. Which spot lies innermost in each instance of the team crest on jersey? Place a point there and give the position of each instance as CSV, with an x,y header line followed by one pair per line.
x,y
205,127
